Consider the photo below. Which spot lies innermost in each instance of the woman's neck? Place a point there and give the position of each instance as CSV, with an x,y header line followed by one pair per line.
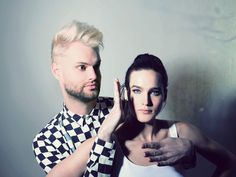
x,y
146,135
146,132
142,131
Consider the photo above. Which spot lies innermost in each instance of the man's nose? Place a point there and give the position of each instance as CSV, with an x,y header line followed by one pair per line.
x,y
92,74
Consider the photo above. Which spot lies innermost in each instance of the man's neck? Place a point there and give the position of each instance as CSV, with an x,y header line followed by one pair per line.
x,y
79,107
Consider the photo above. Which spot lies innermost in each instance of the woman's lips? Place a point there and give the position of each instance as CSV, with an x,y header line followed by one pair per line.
x,y
145,111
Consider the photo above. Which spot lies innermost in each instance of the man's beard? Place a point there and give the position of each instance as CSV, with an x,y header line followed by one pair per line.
x,y
83,97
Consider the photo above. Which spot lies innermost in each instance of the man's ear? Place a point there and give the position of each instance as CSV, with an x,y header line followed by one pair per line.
x,y
55,69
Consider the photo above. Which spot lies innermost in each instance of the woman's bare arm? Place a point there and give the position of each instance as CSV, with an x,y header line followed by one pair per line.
x,y
224,160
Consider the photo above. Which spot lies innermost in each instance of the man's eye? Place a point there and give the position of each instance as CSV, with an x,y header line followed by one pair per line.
x,y
136,91
82,67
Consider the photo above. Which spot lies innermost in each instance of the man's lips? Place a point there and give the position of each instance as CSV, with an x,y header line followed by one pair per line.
x,y
91,86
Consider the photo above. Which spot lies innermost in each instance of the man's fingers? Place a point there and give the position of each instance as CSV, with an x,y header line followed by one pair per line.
x,y
166,162
162,158
117,91
152,145
153,153
157,159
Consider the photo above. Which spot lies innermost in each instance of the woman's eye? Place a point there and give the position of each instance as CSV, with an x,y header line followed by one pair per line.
x,y
136,91
156,92
82,67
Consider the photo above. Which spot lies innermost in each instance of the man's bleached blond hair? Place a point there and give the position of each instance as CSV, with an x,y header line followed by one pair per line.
x,y
76,31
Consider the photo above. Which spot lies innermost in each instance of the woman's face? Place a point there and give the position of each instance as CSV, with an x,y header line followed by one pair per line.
x,y
146,92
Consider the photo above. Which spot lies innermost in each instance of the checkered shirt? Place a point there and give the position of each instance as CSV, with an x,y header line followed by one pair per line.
x,y
66,131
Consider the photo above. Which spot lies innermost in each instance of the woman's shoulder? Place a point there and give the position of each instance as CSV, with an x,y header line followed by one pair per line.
x,y
191,132
164,123
184,129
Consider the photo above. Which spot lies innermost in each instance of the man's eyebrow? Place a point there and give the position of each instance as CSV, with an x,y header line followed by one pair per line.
x,y
82,63
85,63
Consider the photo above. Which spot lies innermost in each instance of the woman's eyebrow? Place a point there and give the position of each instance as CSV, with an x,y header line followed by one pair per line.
x,y
136,86
156,88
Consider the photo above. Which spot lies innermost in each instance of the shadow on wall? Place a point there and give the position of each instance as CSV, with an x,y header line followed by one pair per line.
x,y
225,126
194,96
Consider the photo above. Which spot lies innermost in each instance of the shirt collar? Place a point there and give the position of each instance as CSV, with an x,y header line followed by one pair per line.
x,y
82,119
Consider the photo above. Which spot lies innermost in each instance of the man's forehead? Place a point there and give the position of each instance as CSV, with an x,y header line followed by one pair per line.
x,y
79,60
88,62
78,53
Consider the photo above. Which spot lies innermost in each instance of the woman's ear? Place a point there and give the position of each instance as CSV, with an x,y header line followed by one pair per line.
x,y
124,93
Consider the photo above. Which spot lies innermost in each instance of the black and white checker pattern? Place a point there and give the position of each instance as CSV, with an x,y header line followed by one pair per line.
x,y
100,163
66,131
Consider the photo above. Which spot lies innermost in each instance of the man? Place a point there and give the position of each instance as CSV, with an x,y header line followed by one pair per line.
x,y
59,147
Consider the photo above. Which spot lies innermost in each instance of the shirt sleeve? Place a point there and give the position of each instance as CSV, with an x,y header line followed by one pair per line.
x,y
45,153
101,159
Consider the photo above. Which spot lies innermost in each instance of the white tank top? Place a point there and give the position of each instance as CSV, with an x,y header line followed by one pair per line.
x,y
129,169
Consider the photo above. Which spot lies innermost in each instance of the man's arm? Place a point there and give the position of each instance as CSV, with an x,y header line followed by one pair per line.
x,y
93,157
45,153
75,164
89,159
101,158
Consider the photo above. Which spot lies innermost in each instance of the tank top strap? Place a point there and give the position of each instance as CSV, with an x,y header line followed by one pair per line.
x,y
173,131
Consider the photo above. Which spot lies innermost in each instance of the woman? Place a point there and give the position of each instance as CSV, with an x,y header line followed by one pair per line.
x,y
146,91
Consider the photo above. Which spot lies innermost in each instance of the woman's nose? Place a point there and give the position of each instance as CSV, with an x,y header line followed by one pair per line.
x,y
147,100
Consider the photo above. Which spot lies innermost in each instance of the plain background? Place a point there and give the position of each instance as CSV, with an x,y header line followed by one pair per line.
x,y
195,39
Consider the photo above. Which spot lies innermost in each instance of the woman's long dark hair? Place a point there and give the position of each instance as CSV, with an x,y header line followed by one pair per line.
x,y
143,61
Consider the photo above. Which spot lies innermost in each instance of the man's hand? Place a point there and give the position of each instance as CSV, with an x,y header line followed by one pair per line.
x,y
171,151
111,122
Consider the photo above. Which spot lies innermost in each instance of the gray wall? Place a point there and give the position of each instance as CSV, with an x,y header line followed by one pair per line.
x,y
195,39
